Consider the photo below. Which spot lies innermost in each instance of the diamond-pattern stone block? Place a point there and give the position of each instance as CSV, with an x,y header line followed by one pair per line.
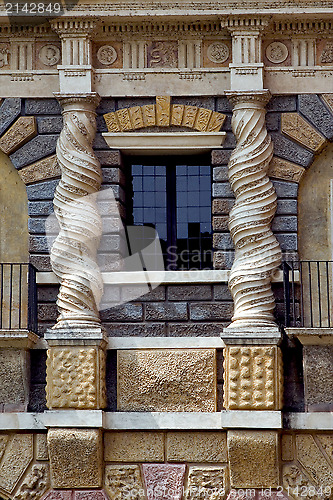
x,y
253,378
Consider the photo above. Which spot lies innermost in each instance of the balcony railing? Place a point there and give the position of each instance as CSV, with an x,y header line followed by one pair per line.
x,y
18,297
308,294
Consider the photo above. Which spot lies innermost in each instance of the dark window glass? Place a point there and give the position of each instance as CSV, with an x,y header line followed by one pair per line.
x,y
174,197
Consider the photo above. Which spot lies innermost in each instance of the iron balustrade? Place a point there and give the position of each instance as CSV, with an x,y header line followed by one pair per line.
x,y
18,297
308,294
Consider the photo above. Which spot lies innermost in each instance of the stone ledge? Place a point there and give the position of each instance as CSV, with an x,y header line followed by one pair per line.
x,y
312,336
322,421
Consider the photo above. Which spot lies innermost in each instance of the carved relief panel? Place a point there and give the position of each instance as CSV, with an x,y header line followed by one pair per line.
x,y
216,53
277,52
325,52
108,55
47,55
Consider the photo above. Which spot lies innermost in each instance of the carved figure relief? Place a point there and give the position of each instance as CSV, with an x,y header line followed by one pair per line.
x,y
277,52
107,54
218,52
4,53
163,54
49,55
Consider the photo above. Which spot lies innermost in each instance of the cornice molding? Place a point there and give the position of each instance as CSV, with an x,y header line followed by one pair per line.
x,y
75,27
304,26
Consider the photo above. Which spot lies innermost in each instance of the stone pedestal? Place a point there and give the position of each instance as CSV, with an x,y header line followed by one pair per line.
x,y
15,369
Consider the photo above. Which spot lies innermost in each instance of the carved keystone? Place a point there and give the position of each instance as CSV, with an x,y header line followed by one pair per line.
x,y
21,132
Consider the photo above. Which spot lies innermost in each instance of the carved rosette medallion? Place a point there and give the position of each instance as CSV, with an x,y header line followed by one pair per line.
x,y
73,255
277,52
258,253
107,54
218,52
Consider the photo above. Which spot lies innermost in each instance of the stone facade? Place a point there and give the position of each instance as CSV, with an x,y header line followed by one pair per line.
x,y
183,388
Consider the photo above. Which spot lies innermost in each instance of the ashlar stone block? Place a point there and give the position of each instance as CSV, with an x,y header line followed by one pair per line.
x,y
253,378
164,380
14,377
76,377
134,446
164,481
76,458
123,482
285,170
206,482
41,170
318,377
205,446
21,132
253,459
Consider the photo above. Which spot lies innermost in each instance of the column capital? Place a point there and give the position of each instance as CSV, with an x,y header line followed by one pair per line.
x,y
75,27
250,99
87,101
248,23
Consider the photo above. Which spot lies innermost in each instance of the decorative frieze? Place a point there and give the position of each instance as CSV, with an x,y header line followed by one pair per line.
x,y
285,170
21,55
253,378
189,52
297,128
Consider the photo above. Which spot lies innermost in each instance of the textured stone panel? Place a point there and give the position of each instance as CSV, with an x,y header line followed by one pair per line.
x,y
14,376
287,447
298,129
164,480
35,484
328,99
3,443
15,461
58,495
76,378
253,378
9,111
327,443
43,169
75,458
89,495
206,482
197,446
42,452
285,170
289,150
162,380
134,446
313,461
123,482
42,191
318,377
21,132
295,481
42,107
253,459
317,113
39,147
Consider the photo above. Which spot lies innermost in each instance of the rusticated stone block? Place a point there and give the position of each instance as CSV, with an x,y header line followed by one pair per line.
x,y
9,111
124,481
76,378
43,169
253,378
14,380
21,132
285,170
76,458
35,484
253,459
318,377
206,482
164,380
36,149
43,190
313,461
298,129
16,458
134,447
164,480
289,150
199,446
316,112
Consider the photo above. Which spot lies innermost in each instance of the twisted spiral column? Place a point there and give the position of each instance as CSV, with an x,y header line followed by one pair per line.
x,y
73,255
258,253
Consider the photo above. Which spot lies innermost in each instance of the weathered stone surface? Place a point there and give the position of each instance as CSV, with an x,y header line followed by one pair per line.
x,y
326,442
213,311
15,461
285,189
220,156
43,169
164,480
188,292
273,121
222,241
206,482
295,481
109,158
195,329
286,207
197,446
253,459
36,149
222,292
289,150
220,174
285,170
298,129
135,329
113,175
284,223
313,461
14,381
124,481
165,311
42,452
287,447
42,191
125,312
222,190
58,495
89,495
40,208
9,111
49,124
220,223
328,100
253,378
287,241
42,107
222,206
223,259
134,446
21,132
163,380
35,484
282,103
130,292
76,378
76,458
317,113
318,377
